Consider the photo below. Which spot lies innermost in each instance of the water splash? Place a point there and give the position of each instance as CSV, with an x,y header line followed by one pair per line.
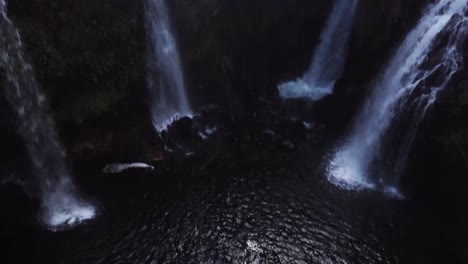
x,y
329,58
379,144
63,209
168,98
61,205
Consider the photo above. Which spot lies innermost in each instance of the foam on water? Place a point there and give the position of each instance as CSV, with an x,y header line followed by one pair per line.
x,y
67,213
300,89
63,209
329,57
121,167
346,172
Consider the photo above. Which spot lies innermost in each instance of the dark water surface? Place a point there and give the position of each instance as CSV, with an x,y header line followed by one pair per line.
x,y
234,207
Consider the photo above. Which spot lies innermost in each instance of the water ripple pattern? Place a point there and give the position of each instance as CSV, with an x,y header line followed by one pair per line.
x,y
249,218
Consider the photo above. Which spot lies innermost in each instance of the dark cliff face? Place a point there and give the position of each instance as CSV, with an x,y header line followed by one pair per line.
x,y
237,51
89,57
438,163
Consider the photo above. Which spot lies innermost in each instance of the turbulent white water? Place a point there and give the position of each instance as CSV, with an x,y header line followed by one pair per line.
x,y
375,153
329,57
168,98
60,202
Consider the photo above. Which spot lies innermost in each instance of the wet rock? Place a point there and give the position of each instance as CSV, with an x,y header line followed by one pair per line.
x,y
182,128
182,138
294,128
113,138
440,45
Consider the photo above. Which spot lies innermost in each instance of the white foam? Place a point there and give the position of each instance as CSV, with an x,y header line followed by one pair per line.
x,y
346,171
63,210
71,216
300,89
121,167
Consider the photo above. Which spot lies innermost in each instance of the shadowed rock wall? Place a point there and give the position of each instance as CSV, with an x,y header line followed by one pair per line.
x,y
90,59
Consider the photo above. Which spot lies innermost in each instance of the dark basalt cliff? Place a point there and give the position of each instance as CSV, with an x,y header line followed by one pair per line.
x,y
89,57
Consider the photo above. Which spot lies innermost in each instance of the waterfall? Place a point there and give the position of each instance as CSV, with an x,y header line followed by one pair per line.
x,y
329,57
61,206
376,152
168,99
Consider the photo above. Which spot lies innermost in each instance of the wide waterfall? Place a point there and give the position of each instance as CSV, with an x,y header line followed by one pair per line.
x,y
329,58
375,153
168,98
61,206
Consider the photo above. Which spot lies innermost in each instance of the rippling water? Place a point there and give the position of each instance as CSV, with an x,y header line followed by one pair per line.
x,y
235,208
248,222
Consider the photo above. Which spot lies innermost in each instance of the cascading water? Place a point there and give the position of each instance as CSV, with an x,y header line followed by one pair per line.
x,y
168,99
61,207
376,152
329,58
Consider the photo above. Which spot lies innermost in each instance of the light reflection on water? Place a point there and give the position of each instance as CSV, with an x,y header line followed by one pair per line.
x,y
254,218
